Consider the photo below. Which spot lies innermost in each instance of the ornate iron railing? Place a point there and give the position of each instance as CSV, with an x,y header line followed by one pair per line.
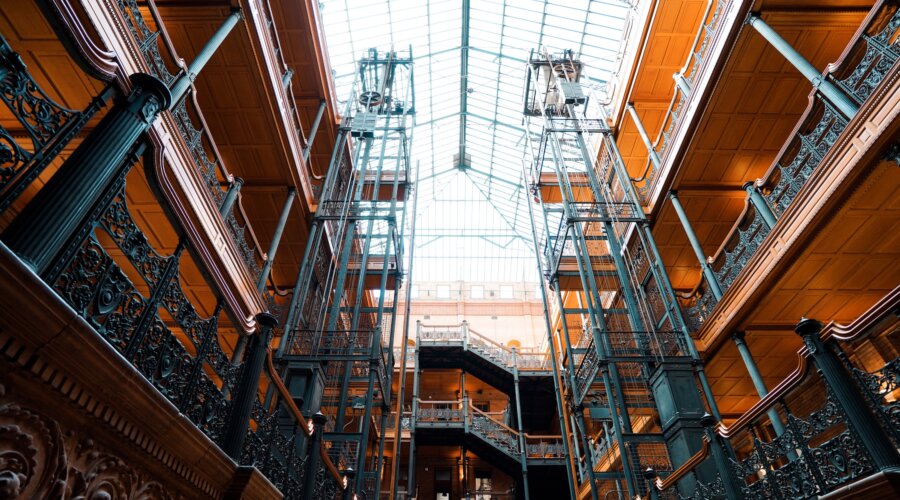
x,y
708,31
46,126
187,365
198,140
819,450
498,354
869,58
496,434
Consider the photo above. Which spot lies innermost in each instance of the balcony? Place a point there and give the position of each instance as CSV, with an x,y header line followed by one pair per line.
x,y
814,165
824,403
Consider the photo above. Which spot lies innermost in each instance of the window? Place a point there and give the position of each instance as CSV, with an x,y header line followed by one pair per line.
x,y
506,291
443,291
538,291
414,291
477,292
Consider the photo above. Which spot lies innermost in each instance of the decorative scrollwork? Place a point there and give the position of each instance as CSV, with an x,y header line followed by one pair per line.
x,y
48,125
881,52
37,460
147,40
101,292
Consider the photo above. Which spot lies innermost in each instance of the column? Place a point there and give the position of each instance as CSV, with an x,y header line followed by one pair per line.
x,y
246,391
312,461
682,84
313,130
65,204
873,437
828,89
276,239
654,157
708,273
759,204
756,377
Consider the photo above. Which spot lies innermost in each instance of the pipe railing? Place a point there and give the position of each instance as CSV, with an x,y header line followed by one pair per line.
x,y
525,360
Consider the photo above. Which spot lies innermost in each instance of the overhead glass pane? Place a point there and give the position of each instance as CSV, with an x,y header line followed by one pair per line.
x,y
472,222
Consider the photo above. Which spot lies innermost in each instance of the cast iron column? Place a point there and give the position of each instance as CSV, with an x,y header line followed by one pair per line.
x,y
708,273
245,392
828,89
230,197
276,239
718,450
654,157
760,205
852,403
313,130
758,382
65,203
314,455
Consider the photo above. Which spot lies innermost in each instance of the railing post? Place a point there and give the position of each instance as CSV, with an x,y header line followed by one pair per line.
x,y
522,450
464,328
852,403
314,129
654,157
349,474
246,393
276,239
411,472
184,81
65,204
230,197
314,451
718,451
708,273
682,84
650,475
760,205
828,89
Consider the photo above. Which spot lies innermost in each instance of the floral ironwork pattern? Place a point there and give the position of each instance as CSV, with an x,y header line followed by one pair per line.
x,y
96,286
277,450
494,433
48,126
147,40
879,386
879,53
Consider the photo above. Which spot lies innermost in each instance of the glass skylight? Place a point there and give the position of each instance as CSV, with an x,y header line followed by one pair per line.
x,y
472,221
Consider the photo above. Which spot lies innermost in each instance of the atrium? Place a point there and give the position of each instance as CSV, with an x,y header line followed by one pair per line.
x,y
464,249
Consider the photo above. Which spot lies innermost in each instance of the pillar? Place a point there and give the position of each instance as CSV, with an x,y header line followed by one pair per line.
x,y
313,130
276,239
831,92
246,391
708,273
756,377
654,157
853,404
760,205
65,204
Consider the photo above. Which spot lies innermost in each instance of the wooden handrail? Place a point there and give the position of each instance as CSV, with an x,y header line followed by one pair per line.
x,y
485,415
298,416
694,461
285,394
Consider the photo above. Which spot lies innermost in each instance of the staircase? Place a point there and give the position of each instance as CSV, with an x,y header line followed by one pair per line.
x,y
460,347
458,422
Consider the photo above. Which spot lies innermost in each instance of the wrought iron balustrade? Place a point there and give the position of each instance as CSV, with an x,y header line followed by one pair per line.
x,y
179,352
330,344
440,412
870,58
46,126
198,140
498,435
821,448
708,31
545,447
